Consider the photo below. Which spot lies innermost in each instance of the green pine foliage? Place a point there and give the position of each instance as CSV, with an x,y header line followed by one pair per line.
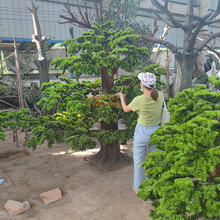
x,y
79,106
215,80
15,120
61,127
3,90
77,109
4,87
102,49
179,181
2,134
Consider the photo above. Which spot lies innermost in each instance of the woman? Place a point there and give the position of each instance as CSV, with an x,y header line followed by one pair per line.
x,y
148,107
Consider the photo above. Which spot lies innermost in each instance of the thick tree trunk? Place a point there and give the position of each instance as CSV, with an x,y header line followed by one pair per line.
x,y
177,81
186,63
43,67
16,137
107,81
109,156
42,63
216,172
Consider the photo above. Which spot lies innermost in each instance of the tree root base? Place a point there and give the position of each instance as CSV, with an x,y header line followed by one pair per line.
x,y
109,166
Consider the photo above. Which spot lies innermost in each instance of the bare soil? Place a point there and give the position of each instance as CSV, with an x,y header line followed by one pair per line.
x,y
88,193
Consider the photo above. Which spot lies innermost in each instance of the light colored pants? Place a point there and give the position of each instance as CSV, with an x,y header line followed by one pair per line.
x,y
141,139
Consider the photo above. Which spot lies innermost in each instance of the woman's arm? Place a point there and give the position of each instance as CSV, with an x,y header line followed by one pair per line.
x,y
125,107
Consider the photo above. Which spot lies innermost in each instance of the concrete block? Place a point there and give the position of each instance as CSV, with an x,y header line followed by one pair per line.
x,y
14,206
26,207
48,201
54,193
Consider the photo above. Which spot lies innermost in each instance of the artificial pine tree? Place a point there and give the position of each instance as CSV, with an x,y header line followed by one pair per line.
x,y
100,51
183,181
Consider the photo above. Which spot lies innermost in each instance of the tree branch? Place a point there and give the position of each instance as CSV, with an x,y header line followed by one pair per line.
x,y
109,11
118,14
101,11
74,17
114,71
192,38
162,37
155,28
175,23
166,4
213,50
206,41
80,12
86,21
97,13
193,31
205,20
212,22
163,42
163,19
86,14
75,22
201,19
34,8
217,12
189,20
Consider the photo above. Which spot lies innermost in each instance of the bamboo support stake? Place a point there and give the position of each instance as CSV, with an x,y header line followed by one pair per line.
x,y
7,57
20,91
8,103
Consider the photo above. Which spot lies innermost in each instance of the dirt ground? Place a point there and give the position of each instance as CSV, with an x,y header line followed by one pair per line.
x,y
88,193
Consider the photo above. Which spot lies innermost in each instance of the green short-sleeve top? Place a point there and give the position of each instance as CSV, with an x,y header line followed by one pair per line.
x,y
148,110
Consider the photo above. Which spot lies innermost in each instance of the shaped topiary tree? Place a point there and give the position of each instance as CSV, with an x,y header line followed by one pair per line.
x,y
15,120
180,181
101,51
